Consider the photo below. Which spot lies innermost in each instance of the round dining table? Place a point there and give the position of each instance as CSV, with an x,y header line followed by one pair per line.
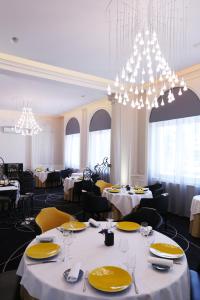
x,y
45,281
125,201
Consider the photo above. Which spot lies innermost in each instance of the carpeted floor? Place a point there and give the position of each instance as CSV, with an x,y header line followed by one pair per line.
x,y
15,237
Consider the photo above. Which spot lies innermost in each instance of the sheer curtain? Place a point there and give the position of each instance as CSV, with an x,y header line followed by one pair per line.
x,y
72,151
174,158
99,146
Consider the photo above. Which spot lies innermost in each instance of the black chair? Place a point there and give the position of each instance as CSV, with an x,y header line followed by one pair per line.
x,y
156,189
160,203
77,190
53,179
95,177
26,180
145,214
95,206
195,285
9,285
66,173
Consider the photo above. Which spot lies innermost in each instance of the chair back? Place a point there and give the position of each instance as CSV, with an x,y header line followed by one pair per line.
x,y
66,173
26,180
50,217
95,204
145,214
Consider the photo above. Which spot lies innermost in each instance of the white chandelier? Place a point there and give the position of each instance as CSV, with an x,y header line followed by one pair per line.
x,y
146,76
27,124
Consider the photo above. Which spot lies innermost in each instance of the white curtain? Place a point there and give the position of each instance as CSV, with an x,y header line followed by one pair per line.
x,y
72,151
43,149
174,158
99,146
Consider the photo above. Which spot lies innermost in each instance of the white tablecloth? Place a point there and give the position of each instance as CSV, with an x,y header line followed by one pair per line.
x,y
46,281
14,187
125,202
69,183
195,207
42,175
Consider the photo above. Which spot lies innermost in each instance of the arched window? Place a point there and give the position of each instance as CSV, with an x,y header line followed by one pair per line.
x,y
174,141
99,137
72,144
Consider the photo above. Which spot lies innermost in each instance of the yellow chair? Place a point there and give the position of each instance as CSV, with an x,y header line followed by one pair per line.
x,y
103,184
51,217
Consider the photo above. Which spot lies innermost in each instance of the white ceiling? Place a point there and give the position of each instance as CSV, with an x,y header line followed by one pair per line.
x,y
45,97
73,35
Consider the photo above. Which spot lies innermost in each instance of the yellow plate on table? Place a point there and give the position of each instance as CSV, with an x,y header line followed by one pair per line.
x,y
42,250
114,191
109,279
128,226
73,226
166,250
139,191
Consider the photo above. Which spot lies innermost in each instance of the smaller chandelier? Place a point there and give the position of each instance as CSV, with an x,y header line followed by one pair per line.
x,y
27,124
146,76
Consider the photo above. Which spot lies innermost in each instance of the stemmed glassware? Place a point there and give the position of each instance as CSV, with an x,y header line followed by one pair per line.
x,y
67,241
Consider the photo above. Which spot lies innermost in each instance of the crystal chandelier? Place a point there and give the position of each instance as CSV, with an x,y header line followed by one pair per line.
x,y
27,124
146,75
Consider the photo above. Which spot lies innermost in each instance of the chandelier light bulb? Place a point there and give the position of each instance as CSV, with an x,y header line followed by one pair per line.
x,y
162,102
180,92
116,96
132,104
120,99
136,91
185,88
109,90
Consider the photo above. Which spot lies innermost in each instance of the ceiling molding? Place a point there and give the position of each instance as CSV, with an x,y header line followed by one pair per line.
x,y
37,69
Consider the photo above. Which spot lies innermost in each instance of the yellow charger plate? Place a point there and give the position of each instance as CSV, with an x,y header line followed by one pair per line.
x,y
139,191
42,250
114,191
166,250
109,279
73,226
128,226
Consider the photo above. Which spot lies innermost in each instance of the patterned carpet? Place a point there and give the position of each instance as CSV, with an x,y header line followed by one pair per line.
x,y
16,237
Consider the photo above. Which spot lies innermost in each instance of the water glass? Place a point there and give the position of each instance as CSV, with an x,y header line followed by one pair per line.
x,y
144,229
123,245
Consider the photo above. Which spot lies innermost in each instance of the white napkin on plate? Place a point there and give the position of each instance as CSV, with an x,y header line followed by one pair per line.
x,y
93,222
160,261
74,272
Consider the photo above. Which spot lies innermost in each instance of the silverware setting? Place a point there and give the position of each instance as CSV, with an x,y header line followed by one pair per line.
x,y
84,280
42,262
134,283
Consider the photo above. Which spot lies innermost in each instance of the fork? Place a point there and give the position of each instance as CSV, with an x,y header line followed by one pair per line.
x,y
134,283
84,282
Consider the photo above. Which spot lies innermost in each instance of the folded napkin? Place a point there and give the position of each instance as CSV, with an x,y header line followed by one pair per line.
x,y
45,238
93,222
74,272
160,261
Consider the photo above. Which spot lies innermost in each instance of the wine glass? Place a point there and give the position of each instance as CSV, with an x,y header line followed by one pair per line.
x,y
67,241
144,229
123,245
109,223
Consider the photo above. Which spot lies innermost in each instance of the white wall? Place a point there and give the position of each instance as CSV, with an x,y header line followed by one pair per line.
x,y
44,149
84,114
